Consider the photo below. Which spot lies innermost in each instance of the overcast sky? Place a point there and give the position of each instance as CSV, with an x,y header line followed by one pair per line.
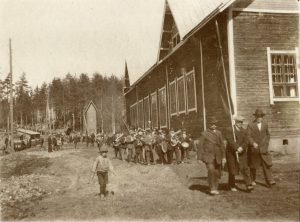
x,y
53,37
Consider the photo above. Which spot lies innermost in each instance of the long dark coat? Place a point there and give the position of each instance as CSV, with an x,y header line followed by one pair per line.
x,y
210,147
262,138
232,146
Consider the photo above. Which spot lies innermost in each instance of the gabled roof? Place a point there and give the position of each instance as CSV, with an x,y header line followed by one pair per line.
x,y
91,103
189,13
189,16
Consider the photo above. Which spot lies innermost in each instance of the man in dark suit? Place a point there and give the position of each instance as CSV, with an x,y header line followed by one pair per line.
x,y
211,151
236,154
259,156
50,143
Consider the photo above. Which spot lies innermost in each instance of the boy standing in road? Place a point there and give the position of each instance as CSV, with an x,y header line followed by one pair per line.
x,y
101,166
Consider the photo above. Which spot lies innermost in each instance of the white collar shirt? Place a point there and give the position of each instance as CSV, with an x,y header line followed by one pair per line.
x,y
259,126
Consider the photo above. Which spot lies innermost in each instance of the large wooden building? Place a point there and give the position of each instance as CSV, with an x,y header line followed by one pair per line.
x,y
257,51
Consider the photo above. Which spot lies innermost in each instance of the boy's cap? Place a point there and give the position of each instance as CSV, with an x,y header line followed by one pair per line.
x,y
103,149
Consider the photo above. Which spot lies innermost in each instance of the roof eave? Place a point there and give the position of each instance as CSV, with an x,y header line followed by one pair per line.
x,y
218,10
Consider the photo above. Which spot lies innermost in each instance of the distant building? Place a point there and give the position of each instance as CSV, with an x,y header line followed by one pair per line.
x,y
259,40
90,118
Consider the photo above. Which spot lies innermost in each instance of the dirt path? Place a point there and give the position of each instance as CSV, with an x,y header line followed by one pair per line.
x,y
160,192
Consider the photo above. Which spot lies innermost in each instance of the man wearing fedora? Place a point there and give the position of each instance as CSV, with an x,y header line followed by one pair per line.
x,y
211,151
259,156
236,154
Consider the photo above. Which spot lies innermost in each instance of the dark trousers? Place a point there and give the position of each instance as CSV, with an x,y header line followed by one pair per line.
x,y
103,180
130,154
267,173
246,176
178,154
116,152
170,154
138,158
49,148
148,156
213,175
184,154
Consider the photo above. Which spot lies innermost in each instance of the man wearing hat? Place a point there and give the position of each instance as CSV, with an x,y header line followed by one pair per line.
x,y
101,166
259,156
211,151
130,145
236,154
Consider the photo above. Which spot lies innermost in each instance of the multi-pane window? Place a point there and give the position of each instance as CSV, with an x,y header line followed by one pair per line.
x,y
175,35
162,99
154,116
173,98
181,95
191,90
284,75
146,112
140,114
175,40
133,115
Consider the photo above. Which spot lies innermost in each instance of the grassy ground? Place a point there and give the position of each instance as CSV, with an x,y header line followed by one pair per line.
x,y
157,192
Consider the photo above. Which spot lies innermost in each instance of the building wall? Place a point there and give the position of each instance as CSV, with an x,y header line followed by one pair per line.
x,y
253,33
188,57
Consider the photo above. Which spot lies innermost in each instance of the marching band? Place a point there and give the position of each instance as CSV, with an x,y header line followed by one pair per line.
x,y
152,146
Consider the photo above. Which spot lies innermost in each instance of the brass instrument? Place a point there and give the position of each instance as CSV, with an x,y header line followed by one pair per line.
x,y
117,141
175,139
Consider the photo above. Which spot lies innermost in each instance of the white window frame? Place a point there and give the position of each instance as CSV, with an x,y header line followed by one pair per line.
x,y
166,113
138,114
176,111
192,72
146,121
154,94
271,89
184,95
135,125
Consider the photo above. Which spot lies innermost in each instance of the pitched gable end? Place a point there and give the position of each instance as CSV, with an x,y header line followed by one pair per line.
x,y
169,34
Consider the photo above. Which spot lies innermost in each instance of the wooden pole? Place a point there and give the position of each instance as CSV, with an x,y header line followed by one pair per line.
x,y
113,115
11,98
226,86
168,99
202,87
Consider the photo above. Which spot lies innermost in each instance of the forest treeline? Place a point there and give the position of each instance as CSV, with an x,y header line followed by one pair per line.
x,y
67,96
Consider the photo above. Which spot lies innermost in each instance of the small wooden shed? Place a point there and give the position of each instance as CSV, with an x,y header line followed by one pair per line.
x,y
90,118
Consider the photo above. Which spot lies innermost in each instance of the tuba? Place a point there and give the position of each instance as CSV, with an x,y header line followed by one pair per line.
x,y
117,141
175,139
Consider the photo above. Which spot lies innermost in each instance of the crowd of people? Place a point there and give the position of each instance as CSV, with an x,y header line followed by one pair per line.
x,y
242,150
237,150
153,146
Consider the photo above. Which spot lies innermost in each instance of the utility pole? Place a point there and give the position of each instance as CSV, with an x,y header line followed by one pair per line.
x,y
11,98
102,122
113,115
73,121
48,115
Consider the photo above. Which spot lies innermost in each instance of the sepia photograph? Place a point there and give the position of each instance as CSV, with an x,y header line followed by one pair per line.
x,y
149,110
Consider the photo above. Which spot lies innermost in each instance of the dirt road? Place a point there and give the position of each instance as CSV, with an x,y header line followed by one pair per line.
x,y
157,192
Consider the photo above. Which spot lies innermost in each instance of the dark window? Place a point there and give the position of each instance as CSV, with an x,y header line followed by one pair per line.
x,y
140,114
190,88
162,107
284,75
181,95
172,96
154,110
133,115
146,112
